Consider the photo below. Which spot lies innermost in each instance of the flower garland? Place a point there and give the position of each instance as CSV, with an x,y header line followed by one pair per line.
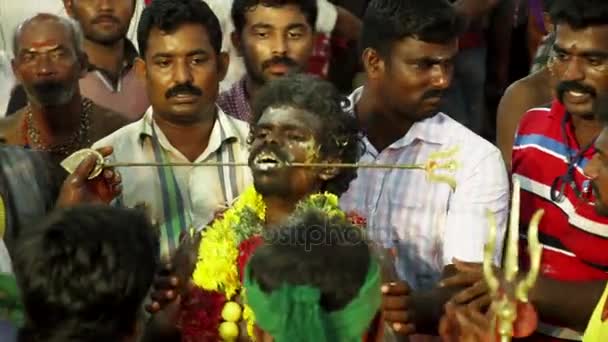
x,y
224,250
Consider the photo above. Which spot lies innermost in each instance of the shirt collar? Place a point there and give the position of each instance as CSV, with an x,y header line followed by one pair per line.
x,y
428,130
224,130
128,59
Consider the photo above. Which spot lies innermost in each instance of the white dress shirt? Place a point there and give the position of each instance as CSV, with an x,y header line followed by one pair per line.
x,y
428,223
204,190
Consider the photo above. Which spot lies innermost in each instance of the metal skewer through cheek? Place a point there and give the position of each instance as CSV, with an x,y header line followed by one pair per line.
x,y
437,161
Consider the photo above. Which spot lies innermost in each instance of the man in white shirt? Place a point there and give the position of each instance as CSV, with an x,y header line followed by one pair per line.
x,y
409,48
180,42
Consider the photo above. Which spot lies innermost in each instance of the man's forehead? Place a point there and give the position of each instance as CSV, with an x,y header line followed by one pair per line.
x,y
414,48
588,38
289,116
183,40
43,35
275,16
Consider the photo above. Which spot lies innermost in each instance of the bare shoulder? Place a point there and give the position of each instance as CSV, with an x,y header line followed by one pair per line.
x,y
105,121
531,91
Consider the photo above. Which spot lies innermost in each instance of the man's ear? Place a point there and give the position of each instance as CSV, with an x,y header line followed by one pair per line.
x,y
236,42
329,173
548,22
140,68
223,62
373,63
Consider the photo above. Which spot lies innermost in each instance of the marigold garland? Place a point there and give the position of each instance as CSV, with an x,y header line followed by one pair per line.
x,y
228,243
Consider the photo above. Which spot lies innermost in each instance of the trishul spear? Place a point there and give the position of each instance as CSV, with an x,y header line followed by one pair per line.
x,y
506,292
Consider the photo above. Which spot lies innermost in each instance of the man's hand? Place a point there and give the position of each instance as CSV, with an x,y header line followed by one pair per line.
x,y
171,287
396,307
464,323
79,189
470,275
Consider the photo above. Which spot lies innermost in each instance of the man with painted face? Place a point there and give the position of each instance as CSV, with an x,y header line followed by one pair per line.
x,y
274,38
48,62
554,144
298,119
180,42
409,49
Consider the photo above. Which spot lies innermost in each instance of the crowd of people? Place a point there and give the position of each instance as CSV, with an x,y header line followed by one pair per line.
x,y
227,187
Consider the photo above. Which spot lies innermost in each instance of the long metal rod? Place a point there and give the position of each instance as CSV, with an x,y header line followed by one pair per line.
x,y
234,164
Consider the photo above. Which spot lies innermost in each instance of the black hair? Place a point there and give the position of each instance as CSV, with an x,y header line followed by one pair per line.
x,y
84,274
387,21
240,7
546,5
312,249
579,13
168,15
340,137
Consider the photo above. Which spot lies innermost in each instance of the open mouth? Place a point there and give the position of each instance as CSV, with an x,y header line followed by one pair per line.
x,y
267,161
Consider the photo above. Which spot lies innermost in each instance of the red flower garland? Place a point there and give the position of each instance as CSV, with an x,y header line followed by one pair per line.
x,y
200,315
201,312
246,249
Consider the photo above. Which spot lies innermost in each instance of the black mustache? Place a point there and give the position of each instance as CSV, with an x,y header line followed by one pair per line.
x,y
432,94
185,88
101,18
279,60
48,86
269,148
573,86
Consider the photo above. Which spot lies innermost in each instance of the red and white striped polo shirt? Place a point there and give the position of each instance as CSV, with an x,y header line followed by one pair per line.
x,y
574,237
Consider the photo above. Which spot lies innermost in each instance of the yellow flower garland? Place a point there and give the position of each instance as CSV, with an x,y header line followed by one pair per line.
x,y
216,268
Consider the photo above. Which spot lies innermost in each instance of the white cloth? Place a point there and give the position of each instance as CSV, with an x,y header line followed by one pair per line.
x,y
5,259
428,223
204,190
7,81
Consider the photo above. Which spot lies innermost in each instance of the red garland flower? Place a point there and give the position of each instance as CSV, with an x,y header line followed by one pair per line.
x,y
356,219
200,315
246,249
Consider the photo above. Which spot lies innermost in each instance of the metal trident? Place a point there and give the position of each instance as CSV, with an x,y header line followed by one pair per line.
x,y
506,292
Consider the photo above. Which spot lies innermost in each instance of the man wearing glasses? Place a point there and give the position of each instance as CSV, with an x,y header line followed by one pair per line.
x,y
554,144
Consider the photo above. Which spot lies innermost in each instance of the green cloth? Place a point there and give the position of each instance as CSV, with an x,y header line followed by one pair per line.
x,y
294,313
11,308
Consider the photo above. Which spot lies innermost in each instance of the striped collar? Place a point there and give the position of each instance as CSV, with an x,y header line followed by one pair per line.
x,y
224,131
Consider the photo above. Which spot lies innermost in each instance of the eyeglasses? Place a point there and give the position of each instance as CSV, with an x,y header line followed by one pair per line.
x,y
558,187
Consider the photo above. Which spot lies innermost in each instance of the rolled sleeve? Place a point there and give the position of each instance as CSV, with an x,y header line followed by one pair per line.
x,y
485,188
327,16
